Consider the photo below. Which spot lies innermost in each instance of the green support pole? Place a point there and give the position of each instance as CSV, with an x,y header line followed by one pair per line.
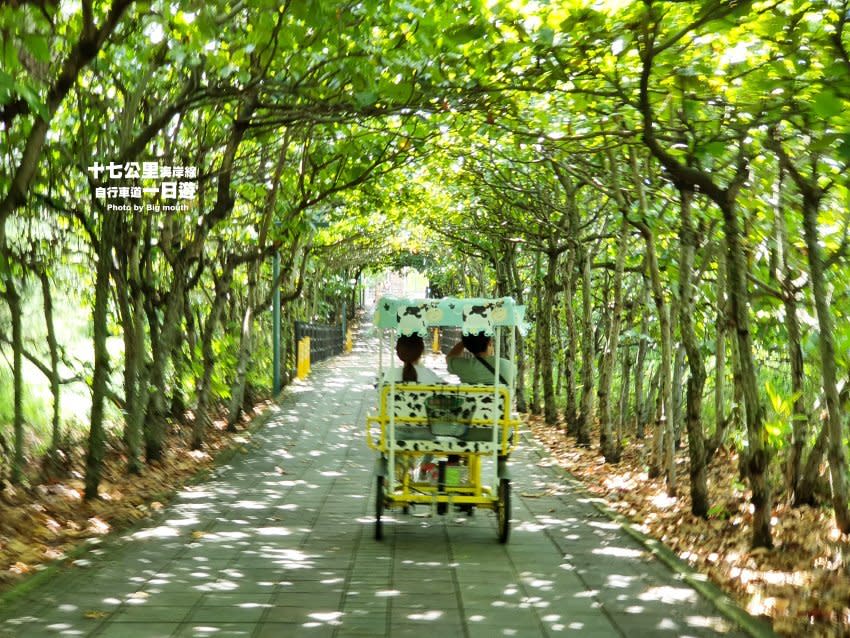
x,y
276,326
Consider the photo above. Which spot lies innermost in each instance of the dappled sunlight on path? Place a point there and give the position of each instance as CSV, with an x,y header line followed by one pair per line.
x,y
279,543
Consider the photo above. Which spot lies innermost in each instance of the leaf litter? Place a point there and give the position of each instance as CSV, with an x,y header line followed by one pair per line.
x,y
45,519
801,586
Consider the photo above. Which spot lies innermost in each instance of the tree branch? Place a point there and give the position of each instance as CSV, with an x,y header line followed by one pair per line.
x,y
44,369
90,43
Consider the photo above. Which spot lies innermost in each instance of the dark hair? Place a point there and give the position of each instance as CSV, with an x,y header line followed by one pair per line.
x,y
476,343
409,349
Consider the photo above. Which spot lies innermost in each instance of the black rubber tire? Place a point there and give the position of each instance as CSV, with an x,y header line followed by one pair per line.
x,y
379,508
503,510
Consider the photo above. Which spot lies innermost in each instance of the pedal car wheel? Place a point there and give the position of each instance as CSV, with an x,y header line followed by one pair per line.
x,y
503,510
379,508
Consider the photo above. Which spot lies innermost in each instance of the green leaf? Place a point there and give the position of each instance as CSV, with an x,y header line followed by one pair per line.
x,y
9,58
545,36
826,104
466,33
775,399
7,82
365,98
773,428
34,101
843,149
38,46
715,149
718,511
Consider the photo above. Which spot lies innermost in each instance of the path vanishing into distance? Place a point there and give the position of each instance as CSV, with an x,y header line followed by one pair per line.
x,y
279,543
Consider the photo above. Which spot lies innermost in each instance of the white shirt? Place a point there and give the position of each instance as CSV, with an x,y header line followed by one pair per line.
x,y
424,376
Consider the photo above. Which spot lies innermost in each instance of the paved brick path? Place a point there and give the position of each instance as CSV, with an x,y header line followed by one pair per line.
x,y
280,543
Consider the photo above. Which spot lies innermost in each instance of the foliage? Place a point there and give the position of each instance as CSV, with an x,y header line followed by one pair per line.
x,y
495,146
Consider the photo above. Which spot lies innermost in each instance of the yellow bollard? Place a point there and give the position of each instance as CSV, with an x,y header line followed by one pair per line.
x,y
299,367
435,342
303,368
349,341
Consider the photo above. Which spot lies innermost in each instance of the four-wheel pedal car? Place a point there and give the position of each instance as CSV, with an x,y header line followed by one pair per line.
x,y
445,446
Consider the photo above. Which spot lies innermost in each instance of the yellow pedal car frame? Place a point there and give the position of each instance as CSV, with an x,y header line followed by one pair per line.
x,y
487,429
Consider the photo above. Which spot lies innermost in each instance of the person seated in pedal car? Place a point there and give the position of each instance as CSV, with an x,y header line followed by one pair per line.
x,y
410,350
481,366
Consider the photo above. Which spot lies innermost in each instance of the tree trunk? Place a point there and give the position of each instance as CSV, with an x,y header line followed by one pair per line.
x,y
683,175
571,410
696,380
662,454
182,355
758,455
13,300
237,388
721,421
678,381
53,347
587,355
544,331
807,487
650,402
100,375
353,302
202,418
625,376
521,364
558,352
534,404
835,451
801,418
643,344
607,440
285,346
158,412
137,370
131,311
800,415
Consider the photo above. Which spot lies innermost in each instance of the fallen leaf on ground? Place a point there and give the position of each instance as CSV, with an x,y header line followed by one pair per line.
x,y
94,614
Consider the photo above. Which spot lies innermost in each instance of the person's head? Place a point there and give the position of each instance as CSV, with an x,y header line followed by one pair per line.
x,y
409,349
477,343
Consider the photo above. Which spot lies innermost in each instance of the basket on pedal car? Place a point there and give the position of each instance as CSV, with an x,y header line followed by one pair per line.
x,y
443,411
